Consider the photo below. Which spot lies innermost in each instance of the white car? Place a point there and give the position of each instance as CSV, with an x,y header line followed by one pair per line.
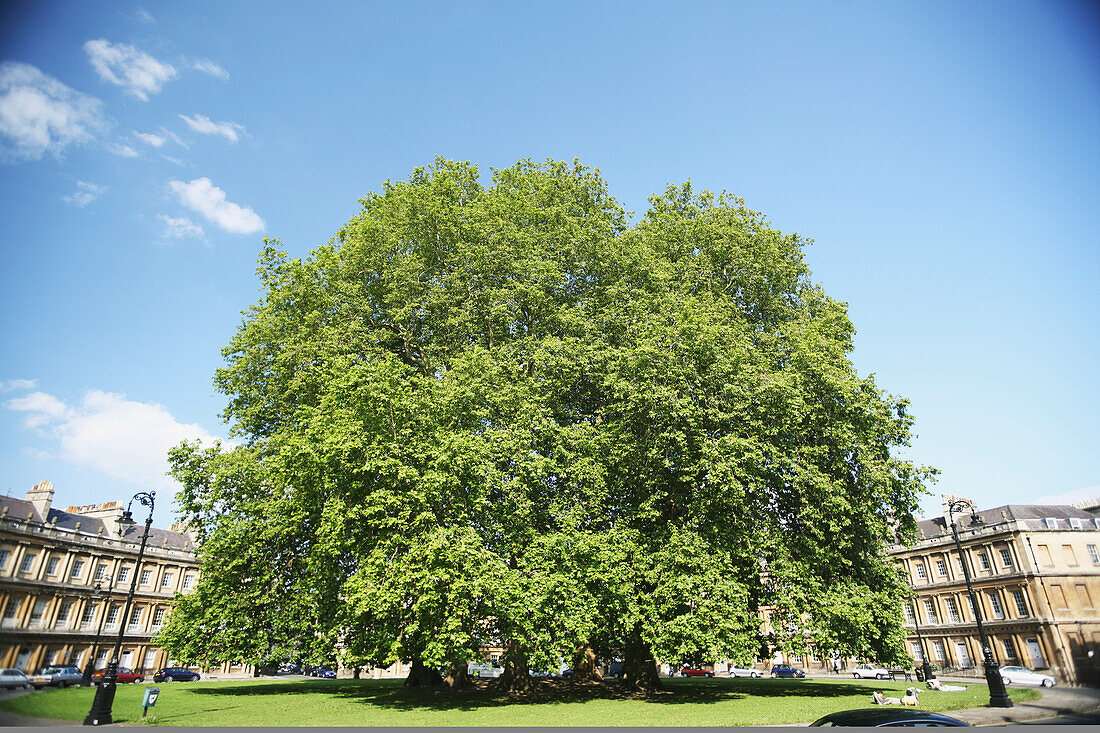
x,y
867,671
1025,676
12,678
745,672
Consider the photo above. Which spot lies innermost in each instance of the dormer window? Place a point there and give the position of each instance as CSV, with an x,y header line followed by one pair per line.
x,y
1076,522
1050,523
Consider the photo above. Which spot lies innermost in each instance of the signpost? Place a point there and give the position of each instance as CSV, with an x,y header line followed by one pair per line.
x,y
149,700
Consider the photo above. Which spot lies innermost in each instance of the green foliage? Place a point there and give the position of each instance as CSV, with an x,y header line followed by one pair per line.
x,y
500,413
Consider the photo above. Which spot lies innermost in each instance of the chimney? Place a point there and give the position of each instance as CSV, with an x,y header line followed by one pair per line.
x,y
41,496
107,513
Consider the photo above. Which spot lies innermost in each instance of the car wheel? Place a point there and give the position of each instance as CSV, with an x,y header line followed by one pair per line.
x,y
708,674
1048,683
879,677
1006,680
169,678
754,675
855,675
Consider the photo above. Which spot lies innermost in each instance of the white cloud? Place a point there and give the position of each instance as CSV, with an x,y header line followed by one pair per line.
x,y
207,199
143,15
85,194
178,228
135,71
1071,497
123,438
14,385
207,66
206,126
123,151
149,138
170,159
39,114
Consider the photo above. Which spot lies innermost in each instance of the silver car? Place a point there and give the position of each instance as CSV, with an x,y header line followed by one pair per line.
x,y
13,678
745,672
1025,676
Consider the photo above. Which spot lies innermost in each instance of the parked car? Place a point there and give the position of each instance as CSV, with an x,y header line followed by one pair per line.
x,y
745,672
786,670
888,718
567,673
322,672
12,678
867,671
695,672
65,674
1025,676
44,678
614,669
125,676
174,674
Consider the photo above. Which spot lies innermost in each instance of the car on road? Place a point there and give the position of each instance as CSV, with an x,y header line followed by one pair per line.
x,y
745,672
125,676
1023,676
786,670
65,674
888,718
695,672
324,673
869,671
14,678
175,674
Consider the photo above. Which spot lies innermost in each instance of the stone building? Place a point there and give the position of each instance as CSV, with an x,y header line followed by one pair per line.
x,y
1035,570
65,574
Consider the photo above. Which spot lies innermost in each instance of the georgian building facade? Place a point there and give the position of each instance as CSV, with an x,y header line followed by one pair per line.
x,y
64,575
1035,570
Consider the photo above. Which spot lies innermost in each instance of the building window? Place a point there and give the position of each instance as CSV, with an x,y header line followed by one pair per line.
x,y
941,568
101,658
1083,597
1071,557
908,613
4,558
78,568
146,576
1006,558
150,659
38,612
930,611
938,651
1094,554
1010,649
100,572
112,614
1021,603
189,580
127,657
1051,523
123,574
63,613
1076,522
970,605
51,566
919,567
87,616
983,561
995,604
959,564
1044,556
28,562
166,581
135,617
158,618
918,653
952,610
10,610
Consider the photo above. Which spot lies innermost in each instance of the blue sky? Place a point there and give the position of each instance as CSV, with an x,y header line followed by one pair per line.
x,y
944,157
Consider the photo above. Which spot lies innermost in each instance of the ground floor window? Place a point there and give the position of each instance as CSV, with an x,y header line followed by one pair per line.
x,y
938,651
150,659
1010,649
918,653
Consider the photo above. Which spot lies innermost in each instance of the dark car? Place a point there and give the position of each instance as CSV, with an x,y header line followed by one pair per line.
x,y
125,675
175,674
888,718
786,670
322,672
695,672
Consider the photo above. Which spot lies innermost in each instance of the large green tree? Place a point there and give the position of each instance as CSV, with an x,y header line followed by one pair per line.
x,y
501,414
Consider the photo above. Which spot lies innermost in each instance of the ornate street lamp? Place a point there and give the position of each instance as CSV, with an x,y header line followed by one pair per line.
x,y
998,695
89,668
925,667
100,714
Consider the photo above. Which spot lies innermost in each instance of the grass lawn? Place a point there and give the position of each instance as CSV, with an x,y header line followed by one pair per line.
x,y
693,701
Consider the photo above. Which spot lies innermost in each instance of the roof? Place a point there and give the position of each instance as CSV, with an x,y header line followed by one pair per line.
x,y
25,510
1029,516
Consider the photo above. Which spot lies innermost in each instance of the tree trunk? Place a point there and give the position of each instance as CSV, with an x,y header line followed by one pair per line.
x,y
639,666
355,674
584,665
516,677
421,676
458,676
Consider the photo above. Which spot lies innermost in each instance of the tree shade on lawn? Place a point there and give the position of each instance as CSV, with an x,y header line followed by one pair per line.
x,y
503,414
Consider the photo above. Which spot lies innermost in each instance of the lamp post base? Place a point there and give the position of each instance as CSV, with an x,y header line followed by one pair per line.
x,y
998,695
926,669
101,707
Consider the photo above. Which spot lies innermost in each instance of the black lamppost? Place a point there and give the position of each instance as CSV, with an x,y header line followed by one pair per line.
x,y
89,668
998,695
925,667
100,714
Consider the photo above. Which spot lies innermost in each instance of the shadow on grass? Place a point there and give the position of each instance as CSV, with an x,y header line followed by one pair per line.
x,y
392,695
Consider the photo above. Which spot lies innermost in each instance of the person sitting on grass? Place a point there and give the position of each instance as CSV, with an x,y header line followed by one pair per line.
x,y
879,699
910,698
935,684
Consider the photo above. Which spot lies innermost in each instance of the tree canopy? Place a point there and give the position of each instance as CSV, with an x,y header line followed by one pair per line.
x,y
503,414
